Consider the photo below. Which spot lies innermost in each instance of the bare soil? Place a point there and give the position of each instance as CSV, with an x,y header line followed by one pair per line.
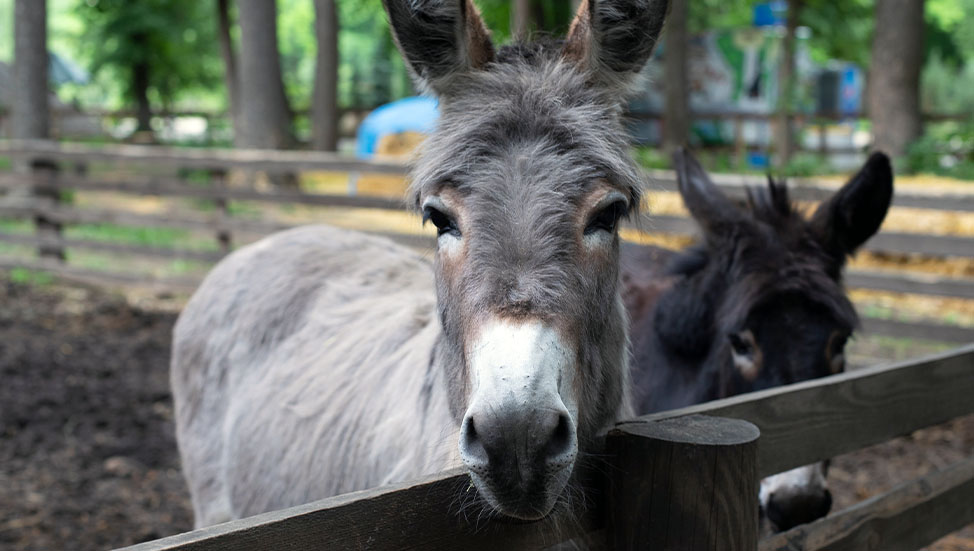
x,y
88,458
87,452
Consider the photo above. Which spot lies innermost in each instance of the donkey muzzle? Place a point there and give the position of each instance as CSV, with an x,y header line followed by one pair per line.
x,y
518,437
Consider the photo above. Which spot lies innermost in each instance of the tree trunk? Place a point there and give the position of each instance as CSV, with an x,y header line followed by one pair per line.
x,y
676,117
785,134
30,115
520,19
264,110
229,64
140,89
538,16
893,93
324,101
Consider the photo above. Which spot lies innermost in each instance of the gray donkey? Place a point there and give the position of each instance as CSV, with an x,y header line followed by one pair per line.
x,y
320,361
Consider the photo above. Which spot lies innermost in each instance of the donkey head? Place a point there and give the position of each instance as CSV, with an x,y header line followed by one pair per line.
x,y
772,280
767,283
525,178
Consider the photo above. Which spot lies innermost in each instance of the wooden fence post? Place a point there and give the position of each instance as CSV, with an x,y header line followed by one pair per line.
x,y
218,178
687,484
45,197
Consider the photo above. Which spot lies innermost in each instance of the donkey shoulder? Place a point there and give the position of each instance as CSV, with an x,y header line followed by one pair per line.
x,y
267,289
275,351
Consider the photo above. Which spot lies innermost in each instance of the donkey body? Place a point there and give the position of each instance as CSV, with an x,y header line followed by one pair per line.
x,y
319,361
758,304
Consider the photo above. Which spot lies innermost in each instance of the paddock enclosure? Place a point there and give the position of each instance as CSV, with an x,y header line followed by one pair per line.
x,y
203,204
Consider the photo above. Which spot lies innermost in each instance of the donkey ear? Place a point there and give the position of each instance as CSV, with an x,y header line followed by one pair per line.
x,y
614,38
439,40
706,203
846,220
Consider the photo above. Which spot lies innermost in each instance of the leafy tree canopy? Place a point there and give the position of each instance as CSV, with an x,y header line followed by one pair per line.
x,y
174,39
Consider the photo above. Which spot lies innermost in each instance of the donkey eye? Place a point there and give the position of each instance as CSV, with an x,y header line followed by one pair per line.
x,y
444,224
840,342
741,346
607,218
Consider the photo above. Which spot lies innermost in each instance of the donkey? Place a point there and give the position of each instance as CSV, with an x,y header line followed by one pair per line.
x,y
758,304
320,361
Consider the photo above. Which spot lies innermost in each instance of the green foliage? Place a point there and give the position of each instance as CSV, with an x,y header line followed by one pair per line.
x,y
946,88
803,165
946,149
297,46
840,30
720,14
174,39
6,30
651,157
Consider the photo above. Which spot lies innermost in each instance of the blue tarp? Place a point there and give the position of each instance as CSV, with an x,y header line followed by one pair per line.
x,y
415,114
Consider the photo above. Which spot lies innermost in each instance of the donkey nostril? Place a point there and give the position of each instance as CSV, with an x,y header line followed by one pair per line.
x,y
560,444
473,448
825,505
791,510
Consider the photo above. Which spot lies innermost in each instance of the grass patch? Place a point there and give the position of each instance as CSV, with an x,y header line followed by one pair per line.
x,y
16,225
13,250
37,278
246,209
5,163
113,263
147,236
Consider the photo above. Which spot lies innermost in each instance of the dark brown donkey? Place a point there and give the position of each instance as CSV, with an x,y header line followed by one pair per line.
x,y
757,304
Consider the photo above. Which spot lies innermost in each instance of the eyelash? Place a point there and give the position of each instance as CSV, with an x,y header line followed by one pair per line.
x,y
606,219
444,224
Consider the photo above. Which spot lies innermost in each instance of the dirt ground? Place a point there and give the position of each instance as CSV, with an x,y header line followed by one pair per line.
x,y
87,454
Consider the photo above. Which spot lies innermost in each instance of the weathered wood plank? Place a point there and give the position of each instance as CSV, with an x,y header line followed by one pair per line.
x,y
930,245
166,187
99,277
915,283
735,186
689,483
890,242
228,159
906,518
418,515
117,248
296,161
916,330
815,420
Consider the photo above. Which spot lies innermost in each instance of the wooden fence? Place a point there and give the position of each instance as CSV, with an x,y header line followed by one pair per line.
x,y
738,144
683,479
59,168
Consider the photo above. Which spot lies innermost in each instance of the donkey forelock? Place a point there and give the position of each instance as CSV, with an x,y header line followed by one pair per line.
x,y
778,254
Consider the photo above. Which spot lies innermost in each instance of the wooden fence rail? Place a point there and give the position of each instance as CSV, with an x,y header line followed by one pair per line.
x,y
50,216
799,424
